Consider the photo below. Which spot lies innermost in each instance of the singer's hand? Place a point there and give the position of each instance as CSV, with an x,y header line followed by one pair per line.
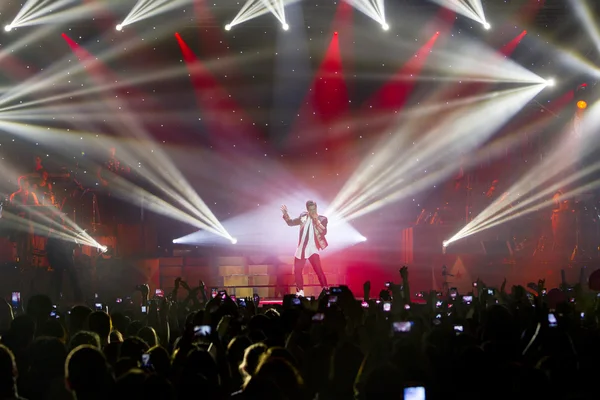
x,y
284,209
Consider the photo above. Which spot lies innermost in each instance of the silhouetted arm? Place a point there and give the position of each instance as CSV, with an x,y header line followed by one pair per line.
x,y
290,221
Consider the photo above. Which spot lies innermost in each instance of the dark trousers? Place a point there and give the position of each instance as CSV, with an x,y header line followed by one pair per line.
x,y
60,258
315,261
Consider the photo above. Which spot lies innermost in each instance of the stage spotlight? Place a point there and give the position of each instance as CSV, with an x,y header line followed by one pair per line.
x,y
487,26
103,249
335,33
119,27
285,27
363,239
582,104
551,82
385,27
228,27
234,241
445,243
8,28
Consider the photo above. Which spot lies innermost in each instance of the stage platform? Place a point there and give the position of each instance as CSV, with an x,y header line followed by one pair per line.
x,y
272,276
112,277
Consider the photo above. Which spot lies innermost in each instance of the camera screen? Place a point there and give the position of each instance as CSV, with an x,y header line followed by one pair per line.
x,y
387,306
119,300
159,293
213,292
552,320
98,306
242,302
144,309
336,290
467,299
202,330
145,360
490,292
318,317
16,298
402,326
414,393
387,284
364,304
458,328
438,304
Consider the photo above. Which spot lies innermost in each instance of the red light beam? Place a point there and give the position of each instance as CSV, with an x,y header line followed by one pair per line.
x,y
224,119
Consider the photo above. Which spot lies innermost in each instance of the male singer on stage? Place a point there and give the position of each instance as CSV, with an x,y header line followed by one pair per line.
x,y
313,228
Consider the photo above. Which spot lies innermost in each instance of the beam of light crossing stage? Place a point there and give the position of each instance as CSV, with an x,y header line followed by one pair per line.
x,y
172,178
38,12
565,57
145,9
214,102
513,215
585,16
123,82
256,8
469,8
326,102
128,191
72,234
48,80
263,229
132,194
537,185
411,160
40,221
470,59
374,9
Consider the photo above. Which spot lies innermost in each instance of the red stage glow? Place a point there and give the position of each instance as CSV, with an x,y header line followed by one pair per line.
x,y
510,47
224,118
393,95
327,100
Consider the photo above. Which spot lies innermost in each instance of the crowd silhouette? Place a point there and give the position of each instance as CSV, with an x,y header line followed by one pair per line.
x,y
492,343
